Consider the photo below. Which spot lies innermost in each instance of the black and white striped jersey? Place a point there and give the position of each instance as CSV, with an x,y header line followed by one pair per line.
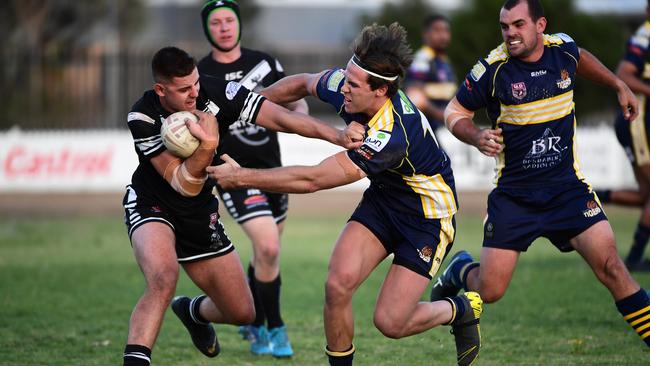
x,y
250,145
230,102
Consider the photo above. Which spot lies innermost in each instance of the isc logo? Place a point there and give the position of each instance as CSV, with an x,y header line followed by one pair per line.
x,y
236,75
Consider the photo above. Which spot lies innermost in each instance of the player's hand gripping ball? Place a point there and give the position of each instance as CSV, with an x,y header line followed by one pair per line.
x,y
176,136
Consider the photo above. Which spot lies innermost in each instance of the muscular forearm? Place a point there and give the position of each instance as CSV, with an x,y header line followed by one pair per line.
x,y
200,159
293,179
288,89
466,131
637,86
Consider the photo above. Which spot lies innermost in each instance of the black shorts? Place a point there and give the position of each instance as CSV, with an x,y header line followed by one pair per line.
x,y
634,135
248,203
418,243
516,217
199,233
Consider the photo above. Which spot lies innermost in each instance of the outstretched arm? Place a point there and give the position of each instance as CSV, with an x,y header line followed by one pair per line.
x,y
277,118
337,170
292,88
591,68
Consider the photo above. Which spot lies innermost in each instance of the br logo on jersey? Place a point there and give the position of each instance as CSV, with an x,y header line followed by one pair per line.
x,y
546,152
565,80
519,90
377,140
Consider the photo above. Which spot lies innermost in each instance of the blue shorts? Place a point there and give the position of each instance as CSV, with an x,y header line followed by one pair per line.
x,y
418,244
516,217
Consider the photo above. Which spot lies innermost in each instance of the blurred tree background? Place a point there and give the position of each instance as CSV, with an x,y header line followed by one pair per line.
x,y
476,31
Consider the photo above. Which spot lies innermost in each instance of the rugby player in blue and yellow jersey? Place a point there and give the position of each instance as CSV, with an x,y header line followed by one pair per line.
x,y
634,70
526,85
430,81
408,210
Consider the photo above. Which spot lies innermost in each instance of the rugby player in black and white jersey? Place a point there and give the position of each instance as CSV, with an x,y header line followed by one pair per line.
x,y
261,214
170,211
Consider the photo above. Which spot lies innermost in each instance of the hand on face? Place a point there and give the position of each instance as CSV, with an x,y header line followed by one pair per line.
x,y
225,174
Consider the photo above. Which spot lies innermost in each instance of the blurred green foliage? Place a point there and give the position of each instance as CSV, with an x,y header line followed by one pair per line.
x,y
476,32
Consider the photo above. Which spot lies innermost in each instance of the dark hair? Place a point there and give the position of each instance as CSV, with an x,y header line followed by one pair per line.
x,y
170,62
384,51
430,19
535,8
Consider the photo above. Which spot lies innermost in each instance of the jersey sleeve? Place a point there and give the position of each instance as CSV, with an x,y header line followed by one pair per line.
x,y
146,135
380,151
279,70
637,48
234,103
569,45
419,69
328,88
474,91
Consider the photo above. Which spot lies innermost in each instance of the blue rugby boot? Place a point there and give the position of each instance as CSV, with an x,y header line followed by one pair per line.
x,y
450,282
203,335
465,327
260,344
280,342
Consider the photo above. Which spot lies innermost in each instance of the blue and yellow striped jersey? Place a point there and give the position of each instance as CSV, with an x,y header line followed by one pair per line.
x,y
532,102
436,75
400,154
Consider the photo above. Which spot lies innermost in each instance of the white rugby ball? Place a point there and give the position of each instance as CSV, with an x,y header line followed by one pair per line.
x,y
176,136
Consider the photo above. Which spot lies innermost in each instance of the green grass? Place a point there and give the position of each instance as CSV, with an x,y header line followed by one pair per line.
x,y
67,287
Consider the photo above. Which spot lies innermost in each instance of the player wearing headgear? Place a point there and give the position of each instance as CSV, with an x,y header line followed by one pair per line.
x,y
407,211
430,82
261,214
526,85
633,136
170,212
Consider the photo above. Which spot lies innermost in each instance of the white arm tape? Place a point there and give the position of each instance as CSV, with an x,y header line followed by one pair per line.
x,y
454,113
185,183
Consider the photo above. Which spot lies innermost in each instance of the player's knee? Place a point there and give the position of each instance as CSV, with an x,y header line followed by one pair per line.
x,y
388,326
613,270
491,293
162,284
267,251
339,287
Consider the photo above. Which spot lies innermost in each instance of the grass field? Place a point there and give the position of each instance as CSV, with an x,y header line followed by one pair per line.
x,y
68,284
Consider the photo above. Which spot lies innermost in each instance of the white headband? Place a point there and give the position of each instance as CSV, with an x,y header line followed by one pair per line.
x,y
355,60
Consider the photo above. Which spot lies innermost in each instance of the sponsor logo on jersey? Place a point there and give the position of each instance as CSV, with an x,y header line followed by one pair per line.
x,y
468,85
235,75
565,80
365,153
535,74
407,107
231,89
426,253
519,90
546,152
489,230
592,209
377,140
334,80
477,71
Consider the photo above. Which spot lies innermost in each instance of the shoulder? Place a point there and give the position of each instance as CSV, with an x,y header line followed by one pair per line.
x,y
497,55
331,80
255,55
557,39
641,37
146,105
422,59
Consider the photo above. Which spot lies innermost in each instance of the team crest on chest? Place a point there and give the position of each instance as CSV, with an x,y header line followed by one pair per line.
x,y
565,80
519,90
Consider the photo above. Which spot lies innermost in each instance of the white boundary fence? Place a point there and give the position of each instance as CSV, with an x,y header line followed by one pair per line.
x,y
103,161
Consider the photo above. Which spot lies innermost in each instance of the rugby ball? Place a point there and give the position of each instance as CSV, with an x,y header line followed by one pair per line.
x,y
176,136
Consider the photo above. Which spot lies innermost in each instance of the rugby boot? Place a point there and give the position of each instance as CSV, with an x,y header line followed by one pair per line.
x,y
280,342
260,344
450,282
466,329
203,335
